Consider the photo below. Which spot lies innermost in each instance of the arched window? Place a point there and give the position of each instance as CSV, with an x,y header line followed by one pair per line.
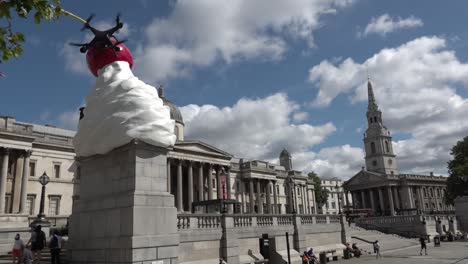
x,y
386,146
372,146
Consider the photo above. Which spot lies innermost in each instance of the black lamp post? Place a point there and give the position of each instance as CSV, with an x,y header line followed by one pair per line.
x,y
40,219
339,198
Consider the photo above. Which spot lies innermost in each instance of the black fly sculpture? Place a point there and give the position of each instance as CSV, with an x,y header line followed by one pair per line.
x,y
102,39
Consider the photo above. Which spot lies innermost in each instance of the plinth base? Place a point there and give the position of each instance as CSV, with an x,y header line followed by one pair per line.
x,y
124,213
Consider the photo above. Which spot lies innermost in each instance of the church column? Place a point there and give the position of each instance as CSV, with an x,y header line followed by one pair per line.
x,y
275,199
268,197
3,179
210,182
372,201
190,185
180,204
381,200
390,200
251,196
363,199
259,198
24,182
200,182
397,198
228,183
218,182
169,176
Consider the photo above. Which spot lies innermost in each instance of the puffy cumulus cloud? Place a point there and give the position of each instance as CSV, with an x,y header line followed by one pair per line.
x,y
253,128
416,87
385,24
200,33
338,161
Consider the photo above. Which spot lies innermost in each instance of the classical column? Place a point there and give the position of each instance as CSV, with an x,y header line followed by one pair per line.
x,y
304,200
307,200
180,204
228,182
296,199
3,179
355,200
242,183
190,185
210,181
382,206
169,188
346,200
397,198
390,200
251,196
24,182
268,198
372,200
275,199
218,183
200,182
259,198
420,198
363,199
314,203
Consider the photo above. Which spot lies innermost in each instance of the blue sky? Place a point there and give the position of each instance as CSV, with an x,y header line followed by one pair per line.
x,y
252,77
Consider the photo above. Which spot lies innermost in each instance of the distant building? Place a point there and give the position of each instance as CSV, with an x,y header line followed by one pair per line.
x,y
335,192
379,186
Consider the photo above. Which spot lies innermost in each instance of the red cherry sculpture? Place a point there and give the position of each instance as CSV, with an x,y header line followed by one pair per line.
x,y
98,57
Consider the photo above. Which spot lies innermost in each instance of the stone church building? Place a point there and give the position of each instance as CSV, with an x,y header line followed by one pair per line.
x,y
379,186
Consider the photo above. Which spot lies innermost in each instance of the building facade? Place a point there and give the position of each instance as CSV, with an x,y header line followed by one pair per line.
x,y
335,202
27,151
379,187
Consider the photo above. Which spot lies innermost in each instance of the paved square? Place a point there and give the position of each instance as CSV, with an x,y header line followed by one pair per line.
x,y
447,253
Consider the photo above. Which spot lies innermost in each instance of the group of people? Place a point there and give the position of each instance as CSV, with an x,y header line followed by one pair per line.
x,y
309,258
30,252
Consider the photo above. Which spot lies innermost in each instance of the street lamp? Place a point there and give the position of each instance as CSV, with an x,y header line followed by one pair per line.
x,y
40,219
339,198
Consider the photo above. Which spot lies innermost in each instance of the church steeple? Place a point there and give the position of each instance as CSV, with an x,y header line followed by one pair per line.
x,y
377,139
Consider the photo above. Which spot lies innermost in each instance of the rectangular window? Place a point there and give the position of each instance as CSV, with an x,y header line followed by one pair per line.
x,y
30,202
57,170
333,205
54,205
247,208
32,168
279,209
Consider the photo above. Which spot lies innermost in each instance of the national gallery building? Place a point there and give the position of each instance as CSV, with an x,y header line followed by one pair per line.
x,y
197,172
379,187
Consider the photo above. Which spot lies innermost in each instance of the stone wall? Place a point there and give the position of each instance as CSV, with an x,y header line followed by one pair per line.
x,y
203,240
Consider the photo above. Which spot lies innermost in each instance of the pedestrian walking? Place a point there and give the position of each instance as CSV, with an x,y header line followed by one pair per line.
x,y
37,242
377,249
422,241
18,247
55,246
27,257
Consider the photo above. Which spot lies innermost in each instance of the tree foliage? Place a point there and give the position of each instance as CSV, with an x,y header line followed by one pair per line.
x,y
457,182
11,41
321,195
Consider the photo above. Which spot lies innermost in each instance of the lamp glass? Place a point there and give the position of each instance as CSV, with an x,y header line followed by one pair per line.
x,y
44,179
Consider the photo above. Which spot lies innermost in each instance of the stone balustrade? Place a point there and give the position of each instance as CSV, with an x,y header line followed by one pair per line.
x,y
213,221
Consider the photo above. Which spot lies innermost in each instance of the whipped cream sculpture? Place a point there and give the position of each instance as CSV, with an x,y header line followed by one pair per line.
x,y
120,107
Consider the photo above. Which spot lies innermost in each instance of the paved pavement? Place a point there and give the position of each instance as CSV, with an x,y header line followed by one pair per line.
x,y
447,253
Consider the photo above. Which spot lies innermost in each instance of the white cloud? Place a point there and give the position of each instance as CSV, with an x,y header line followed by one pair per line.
x,y
385,24
416,87
253,128
200,33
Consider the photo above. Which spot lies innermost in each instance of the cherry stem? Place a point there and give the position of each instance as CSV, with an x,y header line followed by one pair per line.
x,y
70,14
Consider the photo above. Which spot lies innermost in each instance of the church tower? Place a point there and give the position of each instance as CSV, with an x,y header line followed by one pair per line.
x,y
285,160
377,140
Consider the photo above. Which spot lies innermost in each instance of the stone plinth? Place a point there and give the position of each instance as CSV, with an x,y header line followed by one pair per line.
x,y
124,213
461,211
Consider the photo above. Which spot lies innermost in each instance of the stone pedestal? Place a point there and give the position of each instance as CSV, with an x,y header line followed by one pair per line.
x,y
461,211
124,213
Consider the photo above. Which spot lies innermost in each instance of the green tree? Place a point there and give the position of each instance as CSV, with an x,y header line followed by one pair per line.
x,y
11,41
321,195
457,182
